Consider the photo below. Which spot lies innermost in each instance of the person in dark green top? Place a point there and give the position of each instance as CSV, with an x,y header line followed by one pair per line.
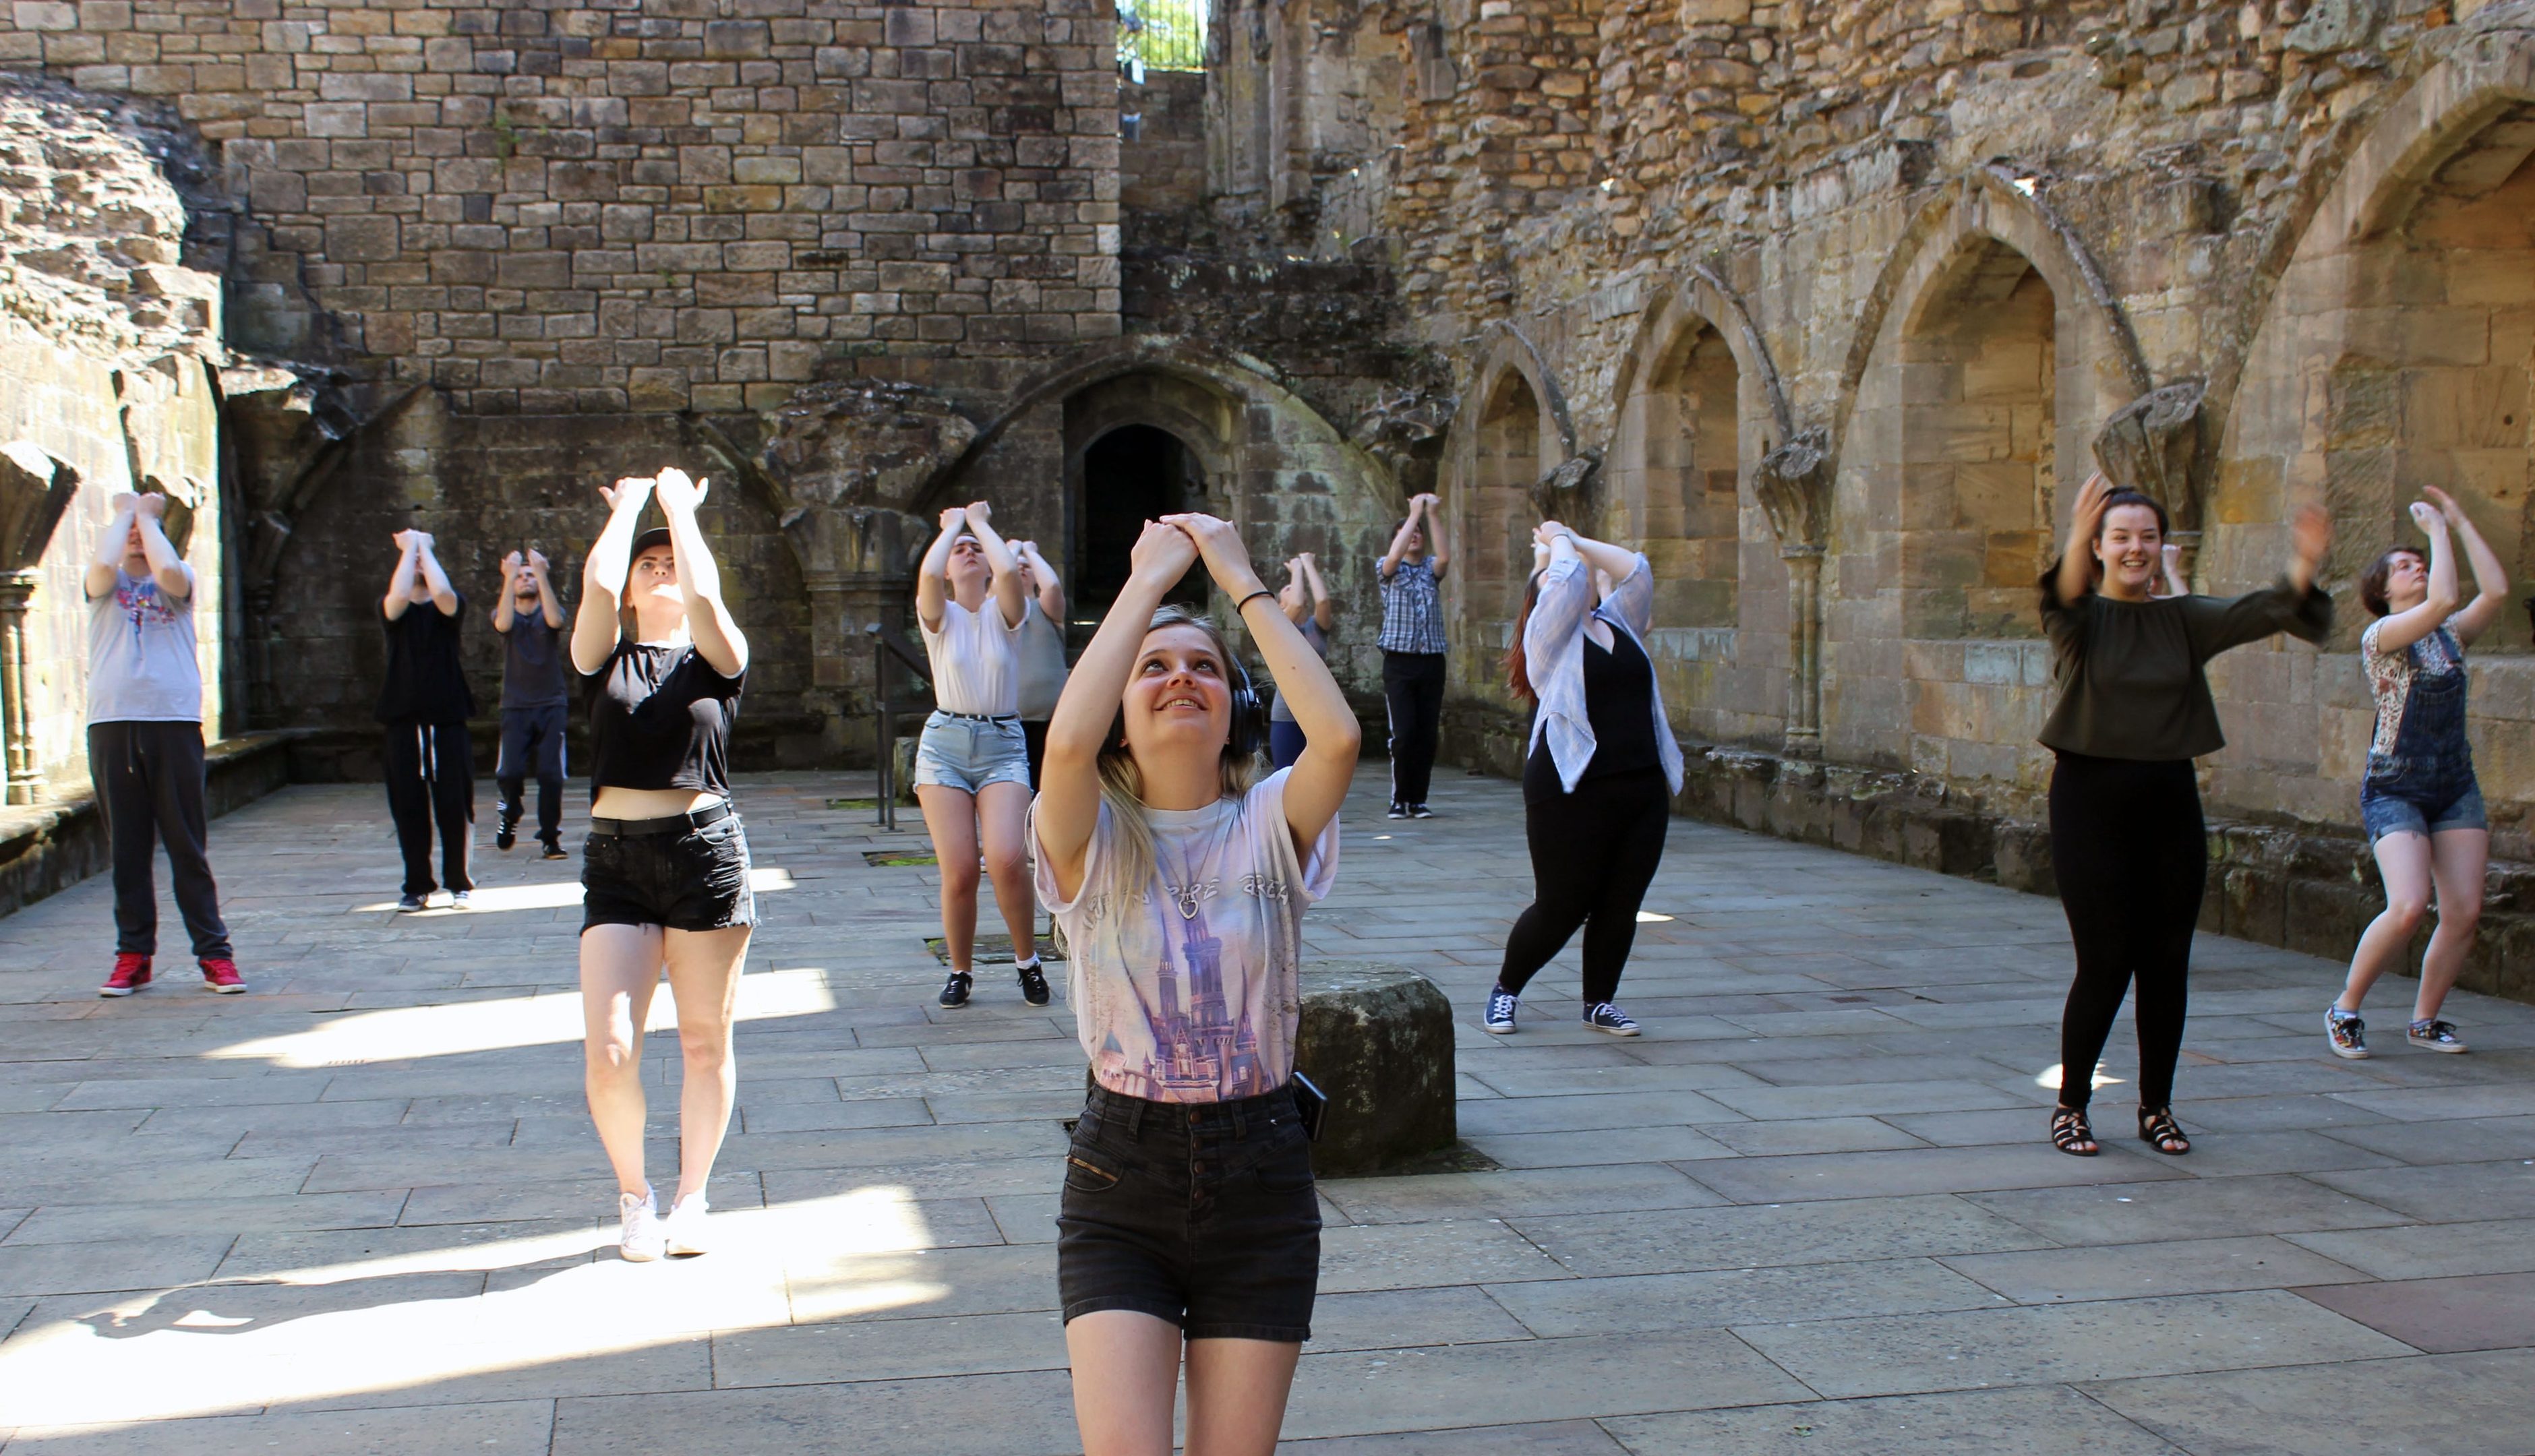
x,y
2126,841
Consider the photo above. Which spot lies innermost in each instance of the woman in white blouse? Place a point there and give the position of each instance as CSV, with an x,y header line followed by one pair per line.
x,y
1597,786
972,764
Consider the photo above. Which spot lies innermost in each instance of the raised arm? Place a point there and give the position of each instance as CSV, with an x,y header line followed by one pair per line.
x,y
548,603
594,624
503,613
2401,629
718,640
1324,611
108,564
165,566
2490,578
1317,782
1007,585
2077,576
1069,794
1439,554
2292,605
932,574
1566,594
1399,538
1051,591
443,596
408,545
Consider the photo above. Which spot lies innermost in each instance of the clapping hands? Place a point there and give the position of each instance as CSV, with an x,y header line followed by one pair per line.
x,y
675,492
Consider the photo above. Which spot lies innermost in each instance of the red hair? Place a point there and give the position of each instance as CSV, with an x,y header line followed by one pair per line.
x,y
1519,670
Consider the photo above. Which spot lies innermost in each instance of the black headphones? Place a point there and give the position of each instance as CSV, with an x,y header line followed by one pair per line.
x,y
1248,715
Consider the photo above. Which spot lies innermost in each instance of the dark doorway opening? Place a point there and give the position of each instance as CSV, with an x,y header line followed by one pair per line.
x,y
1133,475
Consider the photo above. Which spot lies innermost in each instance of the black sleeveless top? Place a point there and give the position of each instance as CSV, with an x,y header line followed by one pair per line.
x,y
1619,706
659,718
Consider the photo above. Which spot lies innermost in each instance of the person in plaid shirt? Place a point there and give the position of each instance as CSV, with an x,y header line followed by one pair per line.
x,y
1412,653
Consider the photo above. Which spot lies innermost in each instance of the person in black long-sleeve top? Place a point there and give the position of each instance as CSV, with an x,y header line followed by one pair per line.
x,y
2126,841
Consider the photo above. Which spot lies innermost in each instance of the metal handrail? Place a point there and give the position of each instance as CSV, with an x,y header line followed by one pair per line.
x,y
888,642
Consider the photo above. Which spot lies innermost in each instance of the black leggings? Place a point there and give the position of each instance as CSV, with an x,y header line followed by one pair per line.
x,y
2128,850
1593,853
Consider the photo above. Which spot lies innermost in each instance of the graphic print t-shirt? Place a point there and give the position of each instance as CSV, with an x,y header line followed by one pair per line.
x,y
1186,989
140,664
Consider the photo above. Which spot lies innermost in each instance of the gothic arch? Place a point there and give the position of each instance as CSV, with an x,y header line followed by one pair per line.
x,y
1986,203
2358,190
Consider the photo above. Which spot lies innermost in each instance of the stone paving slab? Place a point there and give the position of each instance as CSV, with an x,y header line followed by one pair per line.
x,y
1811,1210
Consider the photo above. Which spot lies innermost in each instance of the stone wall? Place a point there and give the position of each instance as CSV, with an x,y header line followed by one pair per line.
x,y
678,205
110,332
1161,155
1945,248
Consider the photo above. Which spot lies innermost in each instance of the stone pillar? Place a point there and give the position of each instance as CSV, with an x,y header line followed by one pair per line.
x,y
1793,483
25,785
34,490
1804,650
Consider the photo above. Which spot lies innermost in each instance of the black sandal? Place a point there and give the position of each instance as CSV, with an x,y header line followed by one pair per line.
x,y
2070,1133
2159,1130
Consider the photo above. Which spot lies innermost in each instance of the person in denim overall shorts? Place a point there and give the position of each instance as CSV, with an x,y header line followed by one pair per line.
x,y
2419,800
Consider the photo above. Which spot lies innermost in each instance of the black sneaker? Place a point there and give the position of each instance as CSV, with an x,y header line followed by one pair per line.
x,y
554,851
411,903
955,991
1420,811
1399,811
1034,983
506,832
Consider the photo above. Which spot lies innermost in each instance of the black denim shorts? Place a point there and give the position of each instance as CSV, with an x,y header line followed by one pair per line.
x,y
1203,1214
697,881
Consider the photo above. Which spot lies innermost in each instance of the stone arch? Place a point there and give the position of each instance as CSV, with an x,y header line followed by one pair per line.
x,y
1987,203
1509,433
1270,462
1994,353
1699,406
2395,349
1196,415
1678,458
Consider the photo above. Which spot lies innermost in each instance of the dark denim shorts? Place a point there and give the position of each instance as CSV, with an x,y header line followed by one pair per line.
x,y
1203,1214
697,881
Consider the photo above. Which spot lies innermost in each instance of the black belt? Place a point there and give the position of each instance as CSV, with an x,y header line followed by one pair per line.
x,y
675,824
982,718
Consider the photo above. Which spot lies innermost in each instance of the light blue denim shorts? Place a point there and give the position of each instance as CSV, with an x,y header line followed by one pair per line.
x,y
967,753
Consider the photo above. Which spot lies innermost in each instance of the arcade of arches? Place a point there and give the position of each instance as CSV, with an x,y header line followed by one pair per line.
x,y
1826,305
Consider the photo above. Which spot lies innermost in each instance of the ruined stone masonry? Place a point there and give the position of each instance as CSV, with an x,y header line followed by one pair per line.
x,y
1827,304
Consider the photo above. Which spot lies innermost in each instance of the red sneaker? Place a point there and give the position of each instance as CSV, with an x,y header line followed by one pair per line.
x,y
131,973
220,973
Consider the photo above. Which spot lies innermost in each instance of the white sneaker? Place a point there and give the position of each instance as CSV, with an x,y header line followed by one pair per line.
x,y
684,1228
638,1239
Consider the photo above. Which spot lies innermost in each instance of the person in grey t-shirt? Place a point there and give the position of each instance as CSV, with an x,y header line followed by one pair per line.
x,y
1307,605
535,702
144,742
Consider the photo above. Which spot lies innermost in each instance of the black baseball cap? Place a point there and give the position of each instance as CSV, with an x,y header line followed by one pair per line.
x,y
657,535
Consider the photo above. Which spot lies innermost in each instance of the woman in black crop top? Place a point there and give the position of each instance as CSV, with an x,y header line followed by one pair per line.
x,y
665,875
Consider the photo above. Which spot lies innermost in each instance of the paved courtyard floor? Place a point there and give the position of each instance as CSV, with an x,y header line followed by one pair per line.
x,y
361,1209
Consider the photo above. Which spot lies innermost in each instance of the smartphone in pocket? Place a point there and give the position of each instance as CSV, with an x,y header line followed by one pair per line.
x,y
1310,1106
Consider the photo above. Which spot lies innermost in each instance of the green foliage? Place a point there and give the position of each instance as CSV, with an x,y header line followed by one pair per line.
x,y
1162,34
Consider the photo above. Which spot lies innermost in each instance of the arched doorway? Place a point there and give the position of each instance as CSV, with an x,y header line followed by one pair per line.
x,y
1132,474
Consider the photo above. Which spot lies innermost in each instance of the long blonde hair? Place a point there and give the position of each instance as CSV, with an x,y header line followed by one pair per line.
x,y
1122,787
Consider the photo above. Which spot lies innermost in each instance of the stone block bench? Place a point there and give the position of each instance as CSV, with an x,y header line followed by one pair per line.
x,y
1378,1040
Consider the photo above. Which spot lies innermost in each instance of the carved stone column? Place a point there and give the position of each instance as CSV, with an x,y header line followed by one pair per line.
x,y
2150,445
1794,486
34,490
1804,649
25,785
